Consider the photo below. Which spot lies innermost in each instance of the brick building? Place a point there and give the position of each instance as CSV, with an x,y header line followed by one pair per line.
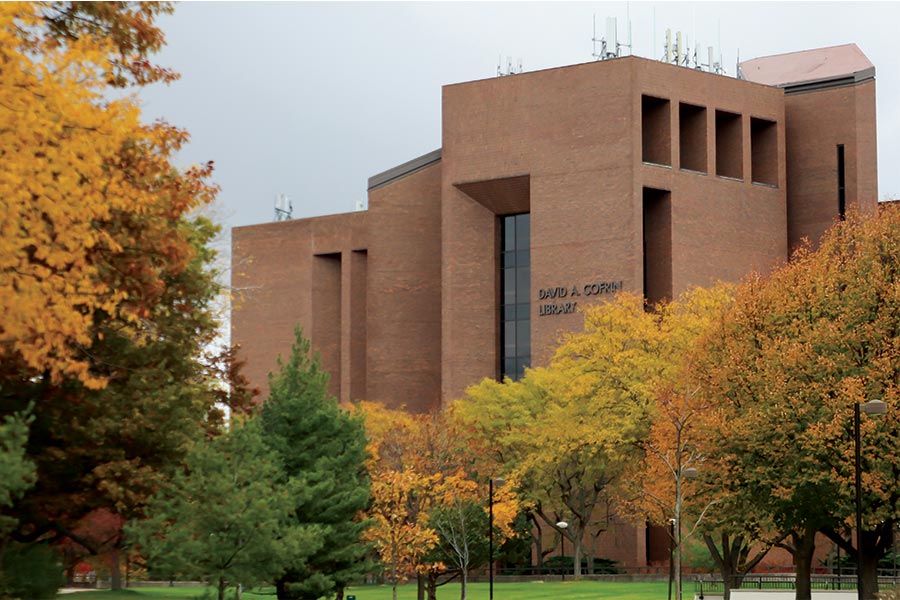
x,y
551,190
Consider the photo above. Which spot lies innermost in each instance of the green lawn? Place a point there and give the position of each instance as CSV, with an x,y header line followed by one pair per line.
x,y
569,590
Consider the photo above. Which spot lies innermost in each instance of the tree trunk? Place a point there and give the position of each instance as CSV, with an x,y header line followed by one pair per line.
x,y
281,590
432,586
871,554
734,560
576,557
420,586
589,555
394,575
538,540
804,547
676,567
115,572
222,588
463,580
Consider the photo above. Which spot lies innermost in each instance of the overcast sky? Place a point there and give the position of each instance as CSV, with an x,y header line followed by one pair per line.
x,y
311,99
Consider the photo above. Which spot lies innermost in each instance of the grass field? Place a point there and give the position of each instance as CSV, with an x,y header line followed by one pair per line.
x,y
568,590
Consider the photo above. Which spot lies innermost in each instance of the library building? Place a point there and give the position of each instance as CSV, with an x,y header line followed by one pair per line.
x,y
552,190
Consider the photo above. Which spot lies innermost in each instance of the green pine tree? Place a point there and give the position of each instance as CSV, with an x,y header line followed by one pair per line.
x,y
225,518
322,447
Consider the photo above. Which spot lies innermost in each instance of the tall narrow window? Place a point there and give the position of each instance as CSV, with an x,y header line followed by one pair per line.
x,y
515,292
842,186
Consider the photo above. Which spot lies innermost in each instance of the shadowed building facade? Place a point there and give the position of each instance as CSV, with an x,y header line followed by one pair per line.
x,y
552,190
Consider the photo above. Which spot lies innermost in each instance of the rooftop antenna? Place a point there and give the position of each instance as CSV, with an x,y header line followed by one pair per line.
x,y
609,46
694,32
667,55
284,210
510,70
677,50
628,22
719,65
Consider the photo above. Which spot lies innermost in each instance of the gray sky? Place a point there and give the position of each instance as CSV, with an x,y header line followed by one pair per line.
x,y
311,99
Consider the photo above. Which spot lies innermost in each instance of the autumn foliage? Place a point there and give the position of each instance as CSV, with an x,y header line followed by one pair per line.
x,y
425,483
91,201
106,283
786,366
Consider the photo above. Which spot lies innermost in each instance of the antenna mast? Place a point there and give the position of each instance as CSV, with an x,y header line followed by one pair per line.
x,y
609,45
284,210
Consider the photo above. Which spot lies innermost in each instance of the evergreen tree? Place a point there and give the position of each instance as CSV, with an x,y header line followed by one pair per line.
x,y
223,518
322,447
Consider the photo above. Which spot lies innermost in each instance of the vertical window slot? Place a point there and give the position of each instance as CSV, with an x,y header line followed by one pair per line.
x,y
515,294
842,184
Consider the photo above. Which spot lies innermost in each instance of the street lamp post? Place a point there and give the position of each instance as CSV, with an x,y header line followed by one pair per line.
x,y
671,555
491,534
562,544
872,407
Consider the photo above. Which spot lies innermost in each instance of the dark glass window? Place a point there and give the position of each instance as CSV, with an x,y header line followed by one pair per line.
x,y
842,186
515,281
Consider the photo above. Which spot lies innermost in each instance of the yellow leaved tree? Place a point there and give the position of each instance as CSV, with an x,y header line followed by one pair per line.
x,y
569,432
106,281
89,196
428,511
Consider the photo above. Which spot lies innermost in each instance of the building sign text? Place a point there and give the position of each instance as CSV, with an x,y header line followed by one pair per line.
x,y
564,299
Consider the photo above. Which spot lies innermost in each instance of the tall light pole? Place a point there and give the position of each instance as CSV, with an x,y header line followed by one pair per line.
x,y
872,407
671,555
562,544
491,534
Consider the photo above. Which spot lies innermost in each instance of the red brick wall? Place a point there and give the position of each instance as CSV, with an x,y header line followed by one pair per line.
x,y
272,278
404,303
569,129
577,133
817,123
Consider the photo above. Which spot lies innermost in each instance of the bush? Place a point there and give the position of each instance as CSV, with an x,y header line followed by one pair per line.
x,y
560,565
31,571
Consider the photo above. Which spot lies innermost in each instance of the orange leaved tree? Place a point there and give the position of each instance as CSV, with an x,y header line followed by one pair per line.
x,y
428,508
787,364
106,284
